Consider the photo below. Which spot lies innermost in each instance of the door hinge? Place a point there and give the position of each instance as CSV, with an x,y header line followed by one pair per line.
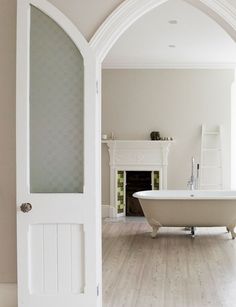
x,y
97,290
97,87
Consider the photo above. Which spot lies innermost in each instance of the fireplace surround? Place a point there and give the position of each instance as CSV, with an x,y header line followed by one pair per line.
x,y
126,155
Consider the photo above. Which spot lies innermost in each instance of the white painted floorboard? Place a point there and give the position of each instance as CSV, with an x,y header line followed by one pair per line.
x,y
8,295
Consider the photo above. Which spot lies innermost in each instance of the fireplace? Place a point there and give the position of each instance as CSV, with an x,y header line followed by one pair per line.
x,y
129,182
136,181
139,161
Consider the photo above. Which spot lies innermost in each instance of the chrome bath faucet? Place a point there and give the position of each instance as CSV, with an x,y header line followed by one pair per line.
x,y
193,181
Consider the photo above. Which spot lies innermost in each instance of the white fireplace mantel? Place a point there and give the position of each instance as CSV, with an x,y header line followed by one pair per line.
x,y
144,155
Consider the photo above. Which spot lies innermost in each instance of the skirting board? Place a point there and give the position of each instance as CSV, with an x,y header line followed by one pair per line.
x,y
108,211
8,295
105,211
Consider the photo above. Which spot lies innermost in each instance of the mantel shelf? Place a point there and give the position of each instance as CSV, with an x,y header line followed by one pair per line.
x,y
137,141
137,144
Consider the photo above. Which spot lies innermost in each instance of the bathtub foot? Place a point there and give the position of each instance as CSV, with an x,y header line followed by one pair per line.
x,y
193,230
154,231
231,230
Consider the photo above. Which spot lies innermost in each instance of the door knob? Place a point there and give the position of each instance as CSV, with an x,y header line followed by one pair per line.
x,y
26,207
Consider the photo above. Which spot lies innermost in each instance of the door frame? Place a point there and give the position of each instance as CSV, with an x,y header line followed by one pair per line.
x,y
125,15
129,11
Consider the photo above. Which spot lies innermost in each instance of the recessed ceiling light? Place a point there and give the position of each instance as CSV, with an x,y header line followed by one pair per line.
x,y
172,46
173,22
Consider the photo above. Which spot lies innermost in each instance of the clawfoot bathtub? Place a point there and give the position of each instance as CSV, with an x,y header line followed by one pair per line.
x,y
177,208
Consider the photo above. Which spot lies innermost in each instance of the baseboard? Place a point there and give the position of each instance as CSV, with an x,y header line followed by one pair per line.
x,y
8,295
105,211
112,212
108,211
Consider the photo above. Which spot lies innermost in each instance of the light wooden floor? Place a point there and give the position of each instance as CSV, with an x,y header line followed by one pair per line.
x,y
172,270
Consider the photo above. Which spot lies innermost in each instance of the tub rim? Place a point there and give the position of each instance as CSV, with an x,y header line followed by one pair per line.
x,y
186,194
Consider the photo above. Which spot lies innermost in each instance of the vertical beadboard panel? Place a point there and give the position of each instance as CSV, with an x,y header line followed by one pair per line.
x,y
78,263
36,263
54,249
64,258
50,258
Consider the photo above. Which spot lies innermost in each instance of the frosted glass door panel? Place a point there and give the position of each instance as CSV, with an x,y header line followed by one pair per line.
x,y
56,109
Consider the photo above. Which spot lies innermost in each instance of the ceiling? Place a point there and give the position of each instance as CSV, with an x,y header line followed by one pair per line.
x,y
174,35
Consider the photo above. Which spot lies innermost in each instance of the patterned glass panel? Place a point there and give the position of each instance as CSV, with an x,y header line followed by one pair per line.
x,y
56,109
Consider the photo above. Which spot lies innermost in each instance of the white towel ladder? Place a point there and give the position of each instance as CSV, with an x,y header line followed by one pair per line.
x,y
211,174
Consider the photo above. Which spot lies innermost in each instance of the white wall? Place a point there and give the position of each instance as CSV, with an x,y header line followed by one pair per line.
x,y
233,134
174,102
87,15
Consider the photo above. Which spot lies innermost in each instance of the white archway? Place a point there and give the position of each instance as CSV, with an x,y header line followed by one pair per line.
x,y
128,13
221,11
131,10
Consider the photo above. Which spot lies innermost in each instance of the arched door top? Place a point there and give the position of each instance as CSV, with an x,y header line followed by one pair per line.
x,y
64,22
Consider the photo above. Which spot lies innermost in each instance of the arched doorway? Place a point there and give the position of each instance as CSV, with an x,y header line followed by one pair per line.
x,y
130,11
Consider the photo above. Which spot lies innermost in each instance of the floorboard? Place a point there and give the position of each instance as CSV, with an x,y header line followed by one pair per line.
x,y
173,270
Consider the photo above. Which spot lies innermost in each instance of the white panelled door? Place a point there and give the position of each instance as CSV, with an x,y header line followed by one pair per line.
x,y
57,199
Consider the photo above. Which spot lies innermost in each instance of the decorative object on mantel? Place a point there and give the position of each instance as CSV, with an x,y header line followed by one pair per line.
x,y
167,138
155,136
105,137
